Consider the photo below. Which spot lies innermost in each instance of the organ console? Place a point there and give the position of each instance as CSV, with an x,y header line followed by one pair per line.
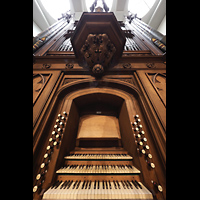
x,y
97,173
99,109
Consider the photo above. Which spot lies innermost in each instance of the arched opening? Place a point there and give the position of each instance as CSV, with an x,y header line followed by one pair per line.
x,y
98,122
98,118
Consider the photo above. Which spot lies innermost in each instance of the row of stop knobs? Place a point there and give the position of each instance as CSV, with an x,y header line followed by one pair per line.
x,y
141,140
143,148
54,140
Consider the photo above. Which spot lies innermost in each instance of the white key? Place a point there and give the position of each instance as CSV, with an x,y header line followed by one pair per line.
x,y
76,190
59,196
47,193
96,192
80,191
146,192
122,191
111,190
89,190
56,191
92,195
116,193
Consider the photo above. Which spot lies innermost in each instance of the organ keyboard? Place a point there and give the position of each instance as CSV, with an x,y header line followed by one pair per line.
x,y
99,157
98,173
98,169
77,189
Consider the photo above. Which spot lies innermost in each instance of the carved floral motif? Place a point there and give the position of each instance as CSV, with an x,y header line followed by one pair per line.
x,y
98,49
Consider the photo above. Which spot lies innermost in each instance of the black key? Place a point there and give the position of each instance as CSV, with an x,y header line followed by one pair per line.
x,y
78,185
130,184
63,185
74,184
55,184
86,184
98,185
66,184
110,184
95,184
69,184
138,184
123,185
134,184
115,184
89,184
126,184
118,185
103,185
83,185
106,185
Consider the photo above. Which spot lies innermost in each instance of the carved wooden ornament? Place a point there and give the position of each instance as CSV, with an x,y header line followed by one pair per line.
x,y
98,52
98,42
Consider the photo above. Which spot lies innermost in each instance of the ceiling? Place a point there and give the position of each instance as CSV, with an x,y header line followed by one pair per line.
x,y
42,19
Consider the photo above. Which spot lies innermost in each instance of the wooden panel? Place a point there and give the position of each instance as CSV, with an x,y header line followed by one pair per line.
x,y
157,99
39,81
124,97
98,126
40,99
158,81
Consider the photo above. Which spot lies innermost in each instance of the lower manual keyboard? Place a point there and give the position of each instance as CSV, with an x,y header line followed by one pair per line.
x,y
77,189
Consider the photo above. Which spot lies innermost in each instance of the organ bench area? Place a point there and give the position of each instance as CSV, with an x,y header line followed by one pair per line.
x,y
99,109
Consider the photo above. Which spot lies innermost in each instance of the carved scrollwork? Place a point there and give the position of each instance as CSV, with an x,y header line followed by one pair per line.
x,y
155,80
42,81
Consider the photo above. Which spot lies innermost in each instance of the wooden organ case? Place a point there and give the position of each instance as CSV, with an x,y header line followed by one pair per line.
x,y
99,109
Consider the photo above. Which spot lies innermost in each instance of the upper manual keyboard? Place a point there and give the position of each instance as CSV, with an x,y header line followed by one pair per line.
x,y
99,157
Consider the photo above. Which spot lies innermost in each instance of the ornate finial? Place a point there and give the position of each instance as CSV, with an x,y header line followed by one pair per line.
x,y
66,15
98,6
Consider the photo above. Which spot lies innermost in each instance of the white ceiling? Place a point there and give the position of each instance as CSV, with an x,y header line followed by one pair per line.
x,y
42,19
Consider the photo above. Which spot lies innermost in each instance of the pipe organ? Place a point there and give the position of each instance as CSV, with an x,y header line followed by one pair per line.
x,y
99,109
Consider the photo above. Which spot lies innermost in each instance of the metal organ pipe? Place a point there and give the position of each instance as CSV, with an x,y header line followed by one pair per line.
x,y
66,46
152,31
43,37
155,37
